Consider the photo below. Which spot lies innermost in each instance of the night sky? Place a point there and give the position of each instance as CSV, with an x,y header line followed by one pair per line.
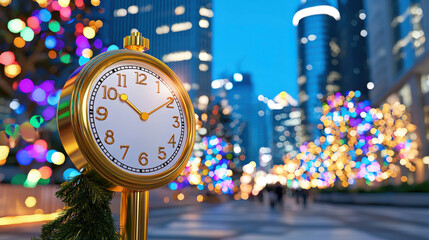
x,y
258,38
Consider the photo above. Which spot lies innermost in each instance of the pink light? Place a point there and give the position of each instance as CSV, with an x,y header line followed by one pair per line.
x,y
33,22
7,58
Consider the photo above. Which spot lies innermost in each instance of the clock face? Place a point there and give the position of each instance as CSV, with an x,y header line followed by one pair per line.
x,y
137,118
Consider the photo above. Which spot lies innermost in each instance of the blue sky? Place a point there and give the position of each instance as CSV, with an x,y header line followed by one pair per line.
x,y
257,37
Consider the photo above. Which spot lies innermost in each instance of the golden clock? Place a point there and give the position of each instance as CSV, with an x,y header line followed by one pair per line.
x,y
127,115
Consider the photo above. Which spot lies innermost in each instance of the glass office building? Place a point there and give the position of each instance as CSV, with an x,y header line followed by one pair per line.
x,y
318,52
180,34
399,64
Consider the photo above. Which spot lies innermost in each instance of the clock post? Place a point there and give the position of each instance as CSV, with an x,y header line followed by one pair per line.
x,y
127,116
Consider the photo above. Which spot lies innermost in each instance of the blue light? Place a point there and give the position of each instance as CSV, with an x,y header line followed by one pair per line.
x,y
83,60
70,173
23,157
238,77
45,15
112,47
172,186
50,42
49,155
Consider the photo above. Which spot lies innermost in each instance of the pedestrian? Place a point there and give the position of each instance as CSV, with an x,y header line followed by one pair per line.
x,y
279,194
304,194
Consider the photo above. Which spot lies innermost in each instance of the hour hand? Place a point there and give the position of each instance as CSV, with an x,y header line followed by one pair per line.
x,y
124,98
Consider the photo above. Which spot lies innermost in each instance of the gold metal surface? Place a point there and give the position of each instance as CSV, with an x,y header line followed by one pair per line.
x,y
134,215
136,42
75,131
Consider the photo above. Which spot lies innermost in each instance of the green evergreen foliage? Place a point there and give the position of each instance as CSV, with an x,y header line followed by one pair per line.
x,y
87,213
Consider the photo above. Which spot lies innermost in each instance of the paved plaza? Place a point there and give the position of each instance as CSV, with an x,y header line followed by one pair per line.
x,y
246,220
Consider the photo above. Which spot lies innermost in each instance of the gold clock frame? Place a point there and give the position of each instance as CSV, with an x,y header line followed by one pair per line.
x,y
75,131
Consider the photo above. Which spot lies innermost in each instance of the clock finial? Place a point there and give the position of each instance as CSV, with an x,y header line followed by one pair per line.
x,y
136,42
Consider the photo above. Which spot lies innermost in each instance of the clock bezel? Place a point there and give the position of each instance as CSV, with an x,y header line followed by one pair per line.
x,y
75,131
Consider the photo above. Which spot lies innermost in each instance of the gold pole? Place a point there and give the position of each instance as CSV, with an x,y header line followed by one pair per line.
x,y
134,215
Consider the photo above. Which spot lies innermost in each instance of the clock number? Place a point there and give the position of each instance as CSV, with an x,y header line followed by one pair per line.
x,y
171,141
109,137
120,76
141,77
143,159
176,120
110,93
162,155
102,111
157,84
126,150
170,103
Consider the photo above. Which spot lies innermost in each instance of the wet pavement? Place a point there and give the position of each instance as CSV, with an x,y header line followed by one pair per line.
x,y
246,220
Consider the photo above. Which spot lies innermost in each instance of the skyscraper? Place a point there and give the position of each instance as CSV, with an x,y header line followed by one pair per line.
x,y
179,32
352,59
399,63
318,52
237,93
286,128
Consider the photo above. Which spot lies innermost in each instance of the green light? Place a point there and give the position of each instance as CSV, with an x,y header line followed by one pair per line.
x,y
43,181
28,184
54,26
16,25
36,121
12,130
65,58
27,34
19,179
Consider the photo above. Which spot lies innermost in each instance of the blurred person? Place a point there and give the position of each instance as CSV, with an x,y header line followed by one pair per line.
x,y
279,194
304,194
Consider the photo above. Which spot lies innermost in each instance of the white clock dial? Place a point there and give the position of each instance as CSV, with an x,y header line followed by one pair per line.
x,y
136,118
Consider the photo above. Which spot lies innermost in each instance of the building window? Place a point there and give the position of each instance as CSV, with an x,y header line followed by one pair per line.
x,y
204,56
121,12
183,26
205,12
177,56
179,10
204,23
134,9
203,67
162,29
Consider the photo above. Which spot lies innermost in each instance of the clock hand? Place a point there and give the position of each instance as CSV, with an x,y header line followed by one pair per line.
x,y
124,98
144,115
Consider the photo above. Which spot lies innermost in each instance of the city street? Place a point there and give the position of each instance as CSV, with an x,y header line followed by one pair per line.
x,y
253,221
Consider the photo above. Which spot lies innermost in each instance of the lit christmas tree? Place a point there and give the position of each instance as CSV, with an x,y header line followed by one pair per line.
x,y
42,42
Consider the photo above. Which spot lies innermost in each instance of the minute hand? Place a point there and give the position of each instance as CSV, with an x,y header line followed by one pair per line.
x,y
145,115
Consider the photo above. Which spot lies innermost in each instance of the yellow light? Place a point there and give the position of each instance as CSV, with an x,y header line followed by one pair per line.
x,y
95,3
200,198
4,152
166,199
4,221
87,53
403,178
12,70
30,201
64,3
34,175
58,158
181,196
5,3
89,32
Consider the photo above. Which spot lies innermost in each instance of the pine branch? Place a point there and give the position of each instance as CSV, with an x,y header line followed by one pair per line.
x,y
87,213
